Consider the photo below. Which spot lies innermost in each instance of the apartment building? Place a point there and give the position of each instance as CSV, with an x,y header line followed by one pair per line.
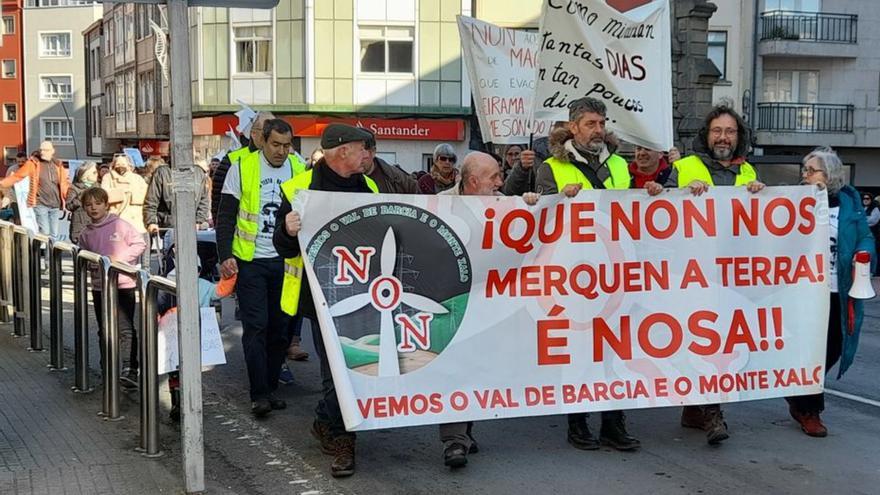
x,y
55,81
11,83
129,102
393,66
817,84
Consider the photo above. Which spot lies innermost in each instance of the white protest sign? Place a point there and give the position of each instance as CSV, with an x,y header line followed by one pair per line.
x,y
622,59
25,212
501,66
212,343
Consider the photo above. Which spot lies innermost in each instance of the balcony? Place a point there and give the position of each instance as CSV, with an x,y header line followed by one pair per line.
x,y
808,34
805,124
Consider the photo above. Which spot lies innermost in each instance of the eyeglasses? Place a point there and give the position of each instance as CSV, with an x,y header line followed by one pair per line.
x,y
717,131
442,158
809,171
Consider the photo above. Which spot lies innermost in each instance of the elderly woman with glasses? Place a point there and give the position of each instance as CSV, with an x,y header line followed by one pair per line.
x,y
849,234
443,174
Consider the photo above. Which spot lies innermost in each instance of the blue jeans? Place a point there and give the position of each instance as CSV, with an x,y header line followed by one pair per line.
x,y
47,220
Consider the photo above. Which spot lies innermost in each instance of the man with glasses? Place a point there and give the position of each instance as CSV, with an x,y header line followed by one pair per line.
x,y
443,174
719,159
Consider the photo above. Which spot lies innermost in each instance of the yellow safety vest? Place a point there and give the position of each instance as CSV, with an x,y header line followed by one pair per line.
x,y
565,173
692,168
237,155
244,242
293,267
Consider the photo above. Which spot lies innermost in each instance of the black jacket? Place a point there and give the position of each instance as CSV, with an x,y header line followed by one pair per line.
x,y
323,179
78,218
159,203
392,179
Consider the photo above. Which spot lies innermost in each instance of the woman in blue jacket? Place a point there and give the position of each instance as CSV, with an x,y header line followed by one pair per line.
x,y
849,235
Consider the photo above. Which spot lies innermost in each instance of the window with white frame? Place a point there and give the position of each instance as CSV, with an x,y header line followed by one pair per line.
x,y
55,45
130,102
8,24
386,49
56,130
791,86
10,153
119,92
717,51
110,98
119,37
95,63
9,69
146,89
793,5
96,121
56,88
10,112
253,49
109,37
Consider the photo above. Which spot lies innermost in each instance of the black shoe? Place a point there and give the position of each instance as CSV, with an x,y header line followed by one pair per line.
x,y
277,404
579,436
343,457
321,433
261,407
716,427
613,433
474,447
455,455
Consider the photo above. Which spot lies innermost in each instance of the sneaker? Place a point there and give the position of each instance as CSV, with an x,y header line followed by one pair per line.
x,y
716,427
613,433
579,436
811,424
129,379
321,433
286,376
277,404
343,457
455,455
693,417
261,408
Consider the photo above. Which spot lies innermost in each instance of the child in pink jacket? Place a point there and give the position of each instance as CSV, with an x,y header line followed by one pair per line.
x,y
109,235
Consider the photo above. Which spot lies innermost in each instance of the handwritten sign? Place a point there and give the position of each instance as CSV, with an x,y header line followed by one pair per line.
x,y
212,343
622,59
501,65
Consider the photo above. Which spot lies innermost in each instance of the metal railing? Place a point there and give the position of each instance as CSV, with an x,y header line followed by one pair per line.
x,y
21,301
805,117
809,26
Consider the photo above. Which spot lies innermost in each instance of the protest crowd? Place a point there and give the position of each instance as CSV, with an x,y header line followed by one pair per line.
x,y
246,198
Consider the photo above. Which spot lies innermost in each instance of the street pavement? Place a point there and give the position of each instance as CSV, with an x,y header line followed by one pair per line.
x,y
766,453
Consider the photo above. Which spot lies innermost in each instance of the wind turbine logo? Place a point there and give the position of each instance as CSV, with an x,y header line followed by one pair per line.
x,y
386,294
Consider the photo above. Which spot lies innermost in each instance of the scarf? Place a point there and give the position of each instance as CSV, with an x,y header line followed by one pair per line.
x,y
442,181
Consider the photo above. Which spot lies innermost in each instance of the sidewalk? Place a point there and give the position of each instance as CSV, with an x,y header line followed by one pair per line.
x,y
52,441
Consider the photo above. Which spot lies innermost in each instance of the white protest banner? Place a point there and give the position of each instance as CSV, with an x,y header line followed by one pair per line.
x,y
623,59
438,309
212,344
25,213
501,66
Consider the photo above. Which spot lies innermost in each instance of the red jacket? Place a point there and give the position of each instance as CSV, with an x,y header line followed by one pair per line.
x,y
31,168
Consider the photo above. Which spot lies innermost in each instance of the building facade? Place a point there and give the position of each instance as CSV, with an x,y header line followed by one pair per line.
x,y
129,102
390,65
11,83
55,79
817,84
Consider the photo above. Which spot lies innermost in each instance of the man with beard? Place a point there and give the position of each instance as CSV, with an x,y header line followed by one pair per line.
x,y
719,159
583,158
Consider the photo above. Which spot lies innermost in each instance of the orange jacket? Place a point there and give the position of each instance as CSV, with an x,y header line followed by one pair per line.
x,y
31,168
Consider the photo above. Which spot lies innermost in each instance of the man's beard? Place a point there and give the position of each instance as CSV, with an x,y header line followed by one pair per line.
x,y
722,153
